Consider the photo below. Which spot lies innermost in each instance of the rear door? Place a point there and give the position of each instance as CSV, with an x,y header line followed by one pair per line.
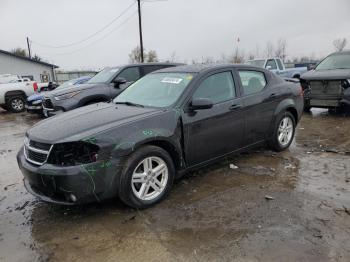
x,y
213,132
260,98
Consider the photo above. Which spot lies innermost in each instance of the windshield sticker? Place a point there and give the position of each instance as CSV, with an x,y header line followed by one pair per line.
x,y
171,80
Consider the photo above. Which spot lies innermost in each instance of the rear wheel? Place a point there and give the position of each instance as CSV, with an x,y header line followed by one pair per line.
x,y
283,132
147,177
16,104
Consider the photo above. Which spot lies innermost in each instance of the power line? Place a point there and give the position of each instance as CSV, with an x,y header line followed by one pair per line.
x,y
90,36
99,39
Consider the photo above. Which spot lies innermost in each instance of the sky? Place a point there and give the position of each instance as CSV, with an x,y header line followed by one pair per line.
x,y
62,32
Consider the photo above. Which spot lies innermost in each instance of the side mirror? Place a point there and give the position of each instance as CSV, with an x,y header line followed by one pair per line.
x,y
311,67
268,67
119,81
201,103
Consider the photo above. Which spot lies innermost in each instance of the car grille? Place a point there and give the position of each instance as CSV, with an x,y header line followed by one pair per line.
x,y
47,103
326,88
36,152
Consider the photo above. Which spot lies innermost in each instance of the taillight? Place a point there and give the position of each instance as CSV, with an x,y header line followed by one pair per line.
x,y
35,86
301,92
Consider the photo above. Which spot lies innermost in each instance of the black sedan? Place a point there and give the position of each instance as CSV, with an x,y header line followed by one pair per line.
x,y
328,86
168,122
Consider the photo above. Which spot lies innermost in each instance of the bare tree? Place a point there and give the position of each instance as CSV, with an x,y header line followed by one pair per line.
x,y
237,57
172,57
281,49
19,52
269,49
37,58
251,56
152,56
340,44
135,55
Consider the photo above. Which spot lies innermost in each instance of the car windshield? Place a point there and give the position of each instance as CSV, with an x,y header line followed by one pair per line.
x,y
336,61
103,76
257,63
156,90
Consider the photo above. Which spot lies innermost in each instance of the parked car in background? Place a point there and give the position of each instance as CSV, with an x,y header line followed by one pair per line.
x,y
102,87
328,85
13,95
277,66
34,102
168,122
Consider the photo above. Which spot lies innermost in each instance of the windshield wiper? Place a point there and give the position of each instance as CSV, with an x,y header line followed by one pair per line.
x,y
129,104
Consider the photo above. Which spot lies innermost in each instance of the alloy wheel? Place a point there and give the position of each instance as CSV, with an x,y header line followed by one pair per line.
x,y
17,104
285,131
150,178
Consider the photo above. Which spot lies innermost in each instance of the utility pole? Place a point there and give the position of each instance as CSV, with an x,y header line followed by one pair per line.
x,y
140,29
28,44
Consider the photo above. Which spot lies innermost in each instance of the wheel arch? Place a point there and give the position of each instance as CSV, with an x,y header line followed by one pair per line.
x,y
13,93
169,147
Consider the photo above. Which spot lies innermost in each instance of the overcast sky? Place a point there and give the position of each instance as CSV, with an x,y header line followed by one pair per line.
x,y
190,28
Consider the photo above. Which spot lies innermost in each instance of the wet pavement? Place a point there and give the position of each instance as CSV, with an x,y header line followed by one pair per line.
x,y
290,206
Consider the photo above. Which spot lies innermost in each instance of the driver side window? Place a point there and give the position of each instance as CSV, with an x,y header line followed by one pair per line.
x,y
130,74
218,88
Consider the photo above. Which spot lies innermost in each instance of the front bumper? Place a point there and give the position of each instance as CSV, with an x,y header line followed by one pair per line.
x,y
81,184
34,108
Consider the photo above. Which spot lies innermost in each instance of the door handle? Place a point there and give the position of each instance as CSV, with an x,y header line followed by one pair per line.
x,y
235,106
273,95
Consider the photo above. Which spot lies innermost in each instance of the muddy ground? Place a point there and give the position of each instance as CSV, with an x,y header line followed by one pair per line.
x,y
214,214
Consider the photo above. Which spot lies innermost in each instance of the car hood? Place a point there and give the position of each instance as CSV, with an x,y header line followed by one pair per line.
x,y
336,74
36,97
81,87
80,123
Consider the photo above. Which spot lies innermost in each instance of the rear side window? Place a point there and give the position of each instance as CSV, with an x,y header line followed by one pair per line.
x,y
131,74
218,88
252,81
272,64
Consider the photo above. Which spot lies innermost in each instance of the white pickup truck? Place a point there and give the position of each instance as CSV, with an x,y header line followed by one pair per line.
x,y
13,95
276,65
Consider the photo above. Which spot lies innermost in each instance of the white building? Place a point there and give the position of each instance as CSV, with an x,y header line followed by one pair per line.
x,y
26,67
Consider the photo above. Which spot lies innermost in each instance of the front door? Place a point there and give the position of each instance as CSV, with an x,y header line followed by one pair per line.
x,y
213,132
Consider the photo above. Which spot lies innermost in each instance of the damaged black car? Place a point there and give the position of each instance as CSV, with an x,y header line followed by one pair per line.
x,y
328,86
168,122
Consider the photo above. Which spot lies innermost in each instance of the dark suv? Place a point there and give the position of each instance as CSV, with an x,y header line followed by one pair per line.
x,y
103,87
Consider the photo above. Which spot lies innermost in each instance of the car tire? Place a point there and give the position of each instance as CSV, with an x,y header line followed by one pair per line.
x,y
283,131
138,182
16,104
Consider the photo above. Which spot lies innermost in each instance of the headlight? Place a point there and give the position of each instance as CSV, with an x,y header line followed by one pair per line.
x,y
66,96
73,153
26,140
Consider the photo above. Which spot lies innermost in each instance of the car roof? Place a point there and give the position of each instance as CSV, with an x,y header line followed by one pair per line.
x,y
201,68
146,64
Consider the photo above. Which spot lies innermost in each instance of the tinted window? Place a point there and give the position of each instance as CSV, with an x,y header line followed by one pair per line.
x,y
272,63
149,69
280,64
131,74
252,81
218,88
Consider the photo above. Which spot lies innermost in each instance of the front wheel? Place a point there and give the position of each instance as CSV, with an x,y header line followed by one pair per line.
x,y
147,177
283,133
16,104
